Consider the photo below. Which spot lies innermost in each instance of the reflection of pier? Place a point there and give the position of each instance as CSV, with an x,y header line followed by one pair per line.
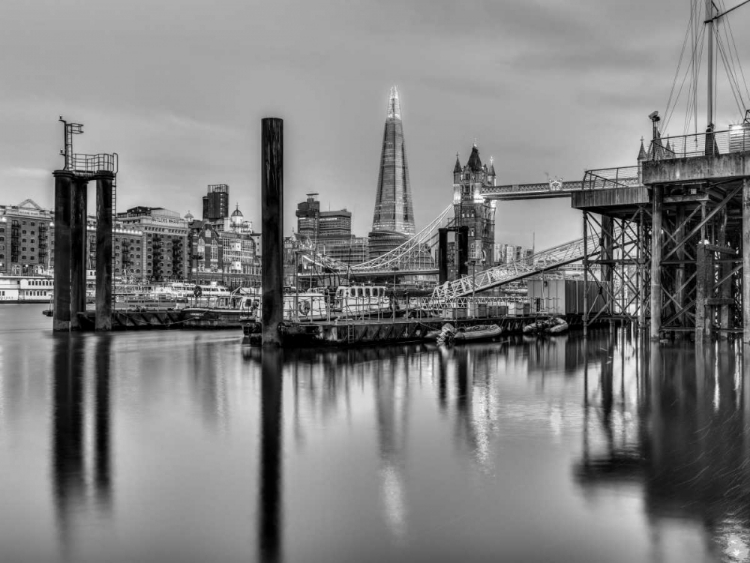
x,y
688,447
75,474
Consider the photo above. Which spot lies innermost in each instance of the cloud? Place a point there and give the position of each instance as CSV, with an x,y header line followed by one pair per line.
x,y
20,172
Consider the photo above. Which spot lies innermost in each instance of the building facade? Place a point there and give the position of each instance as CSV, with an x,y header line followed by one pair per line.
x,y
472,210
216,203
128,248
393,219
330,232
225,252
164,251
26,239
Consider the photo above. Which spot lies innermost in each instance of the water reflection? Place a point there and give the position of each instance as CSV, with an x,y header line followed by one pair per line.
x,y
76,479
270,489
402,453
689,450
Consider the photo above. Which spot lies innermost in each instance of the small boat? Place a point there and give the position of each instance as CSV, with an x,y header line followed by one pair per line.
x,y
478,332
536,327
554,325
448,334
558,326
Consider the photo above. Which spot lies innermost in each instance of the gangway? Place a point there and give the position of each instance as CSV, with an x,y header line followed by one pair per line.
x,y
536,264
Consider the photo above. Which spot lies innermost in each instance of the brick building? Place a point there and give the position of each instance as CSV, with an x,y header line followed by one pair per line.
x,y
164,251
26,239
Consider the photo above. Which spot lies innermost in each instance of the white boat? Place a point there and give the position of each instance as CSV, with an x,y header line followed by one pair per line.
x,y
359,300
175,289
25,289
306,306
303,306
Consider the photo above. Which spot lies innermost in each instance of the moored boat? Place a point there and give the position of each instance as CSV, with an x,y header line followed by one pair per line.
x,y
448,333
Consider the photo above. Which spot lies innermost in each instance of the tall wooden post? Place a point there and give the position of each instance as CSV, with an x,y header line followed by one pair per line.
x,y
78,252
272,228
746,261
63,212
656,253
104,252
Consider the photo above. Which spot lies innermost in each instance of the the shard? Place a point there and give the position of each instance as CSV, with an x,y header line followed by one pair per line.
x,y
393,221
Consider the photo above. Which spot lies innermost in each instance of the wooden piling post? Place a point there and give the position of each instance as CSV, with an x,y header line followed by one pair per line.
x,y
63,212
272,228
656,253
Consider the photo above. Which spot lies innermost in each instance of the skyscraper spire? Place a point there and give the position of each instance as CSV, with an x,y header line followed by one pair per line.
x,y
393,220
394,106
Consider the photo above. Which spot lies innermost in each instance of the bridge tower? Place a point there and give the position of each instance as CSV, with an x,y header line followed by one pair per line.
x,y
472,210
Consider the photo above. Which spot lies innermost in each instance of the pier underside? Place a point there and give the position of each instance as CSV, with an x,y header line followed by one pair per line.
x,y
671,251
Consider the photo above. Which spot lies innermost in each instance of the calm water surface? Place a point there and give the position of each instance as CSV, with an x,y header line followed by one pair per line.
x,y
182,446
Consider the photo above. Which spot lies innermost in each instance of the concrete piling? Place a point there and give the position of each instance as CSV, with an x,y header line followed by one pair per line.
x,y
78,251
63,211
272,228
104,252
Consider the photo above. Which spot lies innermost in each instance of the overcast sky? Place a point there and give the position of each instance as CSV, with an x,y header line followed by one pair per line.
x,y
178,89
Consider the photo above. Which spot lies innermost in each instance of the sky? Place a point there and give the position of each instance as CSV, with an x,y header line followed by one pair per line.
x,y
178,89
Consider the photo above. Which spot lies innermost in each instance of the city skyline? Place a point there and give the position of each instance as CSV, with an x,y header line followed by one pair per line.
x,y
517,79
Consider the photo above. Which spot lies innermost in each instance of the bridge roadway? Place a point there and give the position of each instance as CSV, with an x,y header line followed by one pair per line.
x,y
541,190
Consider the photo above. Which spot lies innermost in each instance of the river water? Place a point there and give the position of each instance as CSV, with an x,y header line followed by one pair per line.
x,y
185,446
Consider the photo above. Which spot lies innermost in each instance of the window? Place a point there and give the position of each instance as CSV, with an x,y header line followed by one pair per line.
x,y
33,224
23,232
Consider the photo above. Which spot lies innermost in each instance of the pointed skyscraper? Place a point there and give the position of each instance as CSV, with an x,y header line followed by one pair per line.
x,y
393,220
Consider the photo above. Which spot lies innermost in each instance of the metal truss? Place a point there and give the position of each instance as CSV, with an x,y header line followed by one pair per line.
x,y
413,256
620,270
549,259
699,267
